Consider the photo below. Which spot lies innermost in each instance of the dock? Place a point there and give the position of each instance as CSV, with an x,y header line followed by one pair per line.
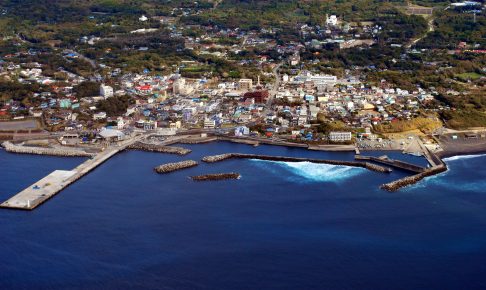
x,y
55,182
392,163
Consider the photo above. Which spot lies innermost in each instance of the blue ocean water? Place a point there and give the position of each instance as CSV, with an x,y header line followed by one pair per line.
x,y
281,226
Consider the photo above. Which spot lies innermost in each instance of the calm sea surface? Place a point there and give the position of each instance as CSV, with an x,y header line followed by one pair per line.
x,y
282,226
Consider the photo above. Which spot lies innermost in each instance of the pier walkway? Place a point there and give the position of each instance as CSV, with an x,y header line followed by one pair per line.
x,y
42,190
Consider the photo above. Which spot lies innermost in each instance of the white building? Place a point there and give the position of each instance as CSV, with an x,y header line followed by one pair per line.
x,y
120,124
340,136
294,59
99,116
209,124
285,78
182,87
331,20
242,131
143,18
106,91
112,134
317,80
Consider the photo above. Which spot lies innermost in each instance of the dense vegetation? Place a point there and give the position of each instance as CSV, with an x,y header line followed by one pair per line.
x,y
115,106
87,89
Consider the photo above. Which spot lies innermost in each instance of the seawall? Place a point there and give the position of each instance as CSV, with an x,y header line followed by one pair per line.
x,y
159,148
366,165
393,163
10,147
198,140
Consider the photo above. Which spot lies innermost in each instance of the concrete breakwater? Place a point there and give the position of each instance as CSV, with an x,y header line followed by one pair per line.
x,y
393,163
198,140
159,148
409,180
216,176
369,166
46,188
13,148
170,167
377,168
49,186
217,158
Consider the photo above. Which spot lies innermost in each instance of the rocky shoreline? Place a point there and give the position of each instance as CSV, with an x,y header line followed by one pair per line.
x,y
366,165
171,167
10,147
159,148
216,176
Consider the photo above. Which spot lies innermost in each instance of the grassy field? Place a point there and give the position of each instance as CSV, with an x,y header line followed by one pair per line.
x,y
469,76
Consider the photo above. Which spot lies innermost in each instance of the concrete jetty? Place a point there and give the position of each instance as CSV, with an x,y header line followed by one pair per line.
x,y
391,162
366,165
40,191
49,186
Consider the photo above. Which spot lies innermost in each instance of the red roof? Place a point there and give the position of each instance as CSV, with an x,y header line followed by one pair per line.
x,y
144,88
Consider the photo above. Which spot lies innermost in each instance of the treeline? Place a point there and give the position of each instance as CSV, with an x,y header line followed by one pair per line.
x,y
115,106
17,91
87,89
452,27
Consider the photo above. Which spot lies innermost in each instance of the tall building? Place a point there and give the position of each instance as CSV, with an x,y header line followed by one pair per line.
x,y
245,84
209,124
106,91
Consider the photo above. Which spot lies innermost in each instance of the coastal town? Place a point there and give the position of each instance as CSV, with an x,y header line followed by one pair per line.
x,y
227,84
242,144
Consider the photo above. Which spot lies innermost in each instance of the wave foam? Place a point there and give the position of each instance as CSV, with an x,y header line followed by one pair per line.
x,y
460,157
319,172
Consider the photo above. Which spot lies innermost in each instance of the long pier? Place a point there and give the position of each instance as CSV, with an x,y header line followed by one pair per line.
x,y
49,186
393,163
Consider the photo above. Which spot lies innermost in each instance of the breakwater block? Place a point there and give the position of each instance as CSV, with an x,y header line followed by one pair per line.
x,y
159,148
216,176
409,180
170,167
64,152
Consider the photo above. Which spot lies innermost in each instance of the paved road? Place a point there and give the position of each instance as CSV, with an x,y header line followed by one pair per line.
x,y
430,29
274,90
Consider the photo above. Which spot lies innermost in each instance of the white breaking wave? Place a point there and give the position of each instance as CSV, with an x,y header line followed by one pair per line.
x,y
318,172
441,181
459,157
